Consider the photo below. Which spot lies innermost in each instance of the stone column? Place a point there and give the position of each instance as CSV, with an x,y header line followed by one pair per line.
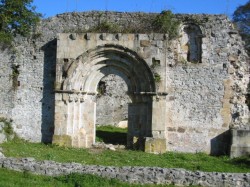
x,y
240,143
137,124
74,120
157,143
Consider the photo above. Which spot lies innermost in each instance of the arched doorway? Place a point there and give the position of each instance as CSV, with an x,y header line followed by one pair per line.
x,y
112,103
76,87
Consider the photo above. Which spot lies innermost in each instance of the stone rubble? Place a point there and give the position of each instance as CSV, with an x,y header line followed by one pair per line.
x,y
2,155
102,145
130,174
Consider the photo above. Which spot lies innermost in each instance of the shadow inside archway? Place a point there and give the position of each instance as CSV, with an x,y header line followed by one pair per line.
x,y
114,138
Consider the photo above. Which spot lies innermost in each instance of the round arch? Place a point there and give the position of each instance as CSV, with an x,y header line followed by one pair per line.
x,y
80,82
86,72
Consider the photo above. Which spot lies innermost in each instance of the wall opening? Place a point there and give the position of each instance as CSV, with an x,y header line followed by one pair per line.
x,y
191,43
112,101
112,110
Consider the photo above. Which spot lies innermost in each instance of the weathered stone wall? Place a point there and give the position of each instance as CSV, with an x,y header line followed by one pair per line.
x,y
204,99
142,175
6,84
112,101
31,106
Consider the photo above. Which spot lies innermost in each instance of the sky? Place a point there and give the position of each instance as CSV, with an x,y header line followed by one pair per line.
x,y
50,8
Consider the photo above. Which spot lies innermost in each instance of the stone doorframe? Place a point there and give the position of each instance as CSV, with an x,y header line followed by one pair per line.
x,y
75,89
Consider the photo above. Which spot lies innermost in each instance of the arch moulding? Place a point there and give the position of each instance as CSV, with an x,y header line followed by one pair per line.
x,y
78,72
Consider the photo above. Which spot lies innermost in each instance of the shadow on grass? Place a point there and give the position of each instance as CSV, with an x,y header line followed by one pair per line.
x,y
112,137
242,162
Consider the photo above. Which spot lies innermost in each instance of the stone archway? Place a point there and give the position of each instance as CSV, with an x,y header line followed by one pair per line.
x,y
76,86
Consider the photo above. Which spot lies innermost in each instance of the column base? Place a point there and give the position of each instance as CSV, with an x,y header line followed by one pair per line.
x,y
240,143
155,145
62,140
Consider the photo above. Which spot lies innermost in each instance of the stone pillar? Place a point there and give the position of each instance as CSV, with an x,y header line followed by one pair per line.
x,y
157,143
137,124
74,120
240,143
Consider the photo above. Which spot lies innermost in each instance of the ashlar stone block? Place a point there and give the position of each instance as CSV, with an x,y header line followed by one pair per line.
x,y
155,145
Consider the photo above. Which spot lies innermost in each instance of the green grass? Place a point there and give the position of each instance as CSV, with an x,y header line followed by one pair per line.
x,y
10,178
110,134
199,161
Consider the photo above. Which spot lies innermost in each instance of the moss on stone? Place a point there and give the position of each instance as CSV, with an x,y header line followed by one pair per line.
x,y
62,140
155,145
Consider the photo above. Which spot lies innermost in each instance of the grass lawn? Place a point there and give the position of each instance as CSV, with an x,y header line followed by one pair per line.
x,y
193,162
110,134
16,179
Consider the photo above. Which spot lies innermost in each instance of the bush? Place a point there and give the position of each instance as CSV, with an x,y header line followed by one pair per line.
x,y
165,22
106,27
5,40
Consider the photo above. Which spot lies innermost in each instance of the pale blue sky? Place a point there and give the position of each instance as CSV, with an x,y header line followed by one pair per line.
x,y
52,7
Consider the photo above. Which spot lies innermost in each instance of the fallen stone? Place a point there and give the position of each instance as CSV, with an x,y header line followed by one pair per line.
x,y
112,148
1,126
130,174
2,155
3,138
123,124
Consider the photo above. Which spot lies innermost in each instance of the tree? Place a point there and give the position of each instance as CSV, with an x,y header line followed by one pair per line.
x,y
16,17
241,17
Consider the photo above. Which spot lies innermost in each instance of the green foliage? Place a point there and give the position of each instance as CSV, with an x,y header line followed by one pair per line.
x,y
111,128
7,129
157,77
199,161
106,27
163,23
166,23
241,17
16,17
5,39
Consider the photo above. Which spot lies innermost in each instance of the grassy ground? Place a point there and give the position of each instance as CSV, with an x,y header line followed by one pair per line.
x,y
199,161
20,148
111,134
16,179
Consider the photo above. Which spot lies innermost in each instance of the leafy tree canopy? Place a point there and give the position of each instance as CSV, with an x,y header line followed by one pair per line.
x,y
241,17
17,17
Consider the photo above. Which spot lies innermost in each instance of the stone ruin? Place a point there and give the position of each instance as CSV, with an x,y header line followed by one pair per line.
x,y
188,94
